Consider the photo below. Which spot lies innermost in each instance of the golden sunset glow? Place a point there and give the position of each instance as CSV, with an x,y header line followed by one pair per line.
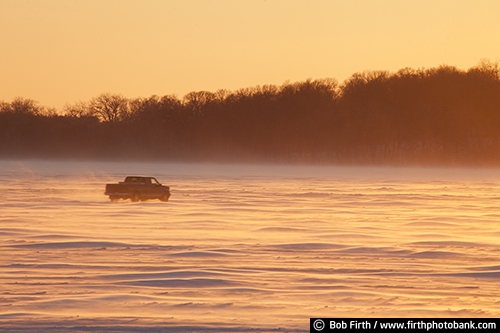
x,y
59,52
248,165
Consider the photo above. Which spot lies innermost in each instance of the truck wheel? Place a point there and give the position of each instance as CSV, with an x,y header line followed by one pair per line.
x,y
136,196
164,197
113,198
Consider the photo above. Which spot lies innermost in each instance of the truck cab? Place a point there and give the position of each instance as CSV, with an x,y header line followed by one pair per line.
x,y
138,188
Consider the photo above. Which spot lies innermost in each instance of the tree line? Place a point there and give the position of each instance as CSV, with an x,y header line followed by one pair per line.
x,y
441,115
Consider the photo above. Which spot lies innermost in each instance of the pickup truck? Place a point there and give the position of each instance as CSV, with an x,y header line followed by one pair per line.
x,y
138,188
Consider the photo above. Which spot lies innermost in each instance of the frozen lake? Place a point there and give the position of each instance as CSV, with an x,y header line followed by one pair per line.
x,y
242,247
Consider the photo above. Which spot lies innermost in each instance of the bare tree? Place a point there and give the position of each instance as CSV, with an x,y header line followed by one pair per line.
x,y
487,68
81,113
78,110
196,101
21,105
109,107
4,106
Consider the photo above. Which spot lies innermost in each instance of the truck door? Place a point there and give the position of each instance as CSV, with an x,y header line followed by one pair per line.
x,y
154,188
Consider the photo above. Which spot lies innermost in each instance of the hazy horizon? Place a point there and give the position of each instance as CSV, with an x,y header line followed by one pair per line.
x,y
439,116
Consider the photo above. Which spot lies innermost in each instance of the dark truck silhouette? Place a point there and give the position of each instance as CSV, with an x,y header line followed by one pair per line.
x,y
138,188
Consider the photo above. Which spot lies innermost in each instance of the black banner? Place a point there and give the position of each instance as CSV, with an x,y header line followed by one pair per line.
x,y
406,324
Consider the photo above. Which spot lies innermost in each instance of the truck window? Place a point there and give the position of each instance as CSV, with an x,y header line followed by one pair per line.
x,y
134,180
154,182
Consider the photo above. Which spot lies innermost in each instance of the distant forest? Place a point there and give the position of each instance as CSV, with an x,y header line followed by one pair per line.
x,y
436,116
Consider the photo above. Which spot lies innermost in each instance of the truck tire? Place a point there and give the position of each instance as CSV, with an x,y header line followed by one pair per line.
x,y
113,198
165,197
136,196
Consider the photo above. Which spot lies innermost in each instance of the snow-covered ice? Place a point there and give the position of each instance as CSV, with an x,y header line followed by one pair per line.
x,y
244,247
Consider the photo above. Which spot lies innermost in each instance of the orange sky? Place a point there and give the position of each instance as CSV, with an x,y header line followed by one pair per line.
x,y
65,51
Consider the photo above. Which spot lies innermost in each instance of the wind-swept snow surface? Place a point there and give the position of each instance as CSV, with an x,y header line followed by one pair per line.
x,y
239,248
